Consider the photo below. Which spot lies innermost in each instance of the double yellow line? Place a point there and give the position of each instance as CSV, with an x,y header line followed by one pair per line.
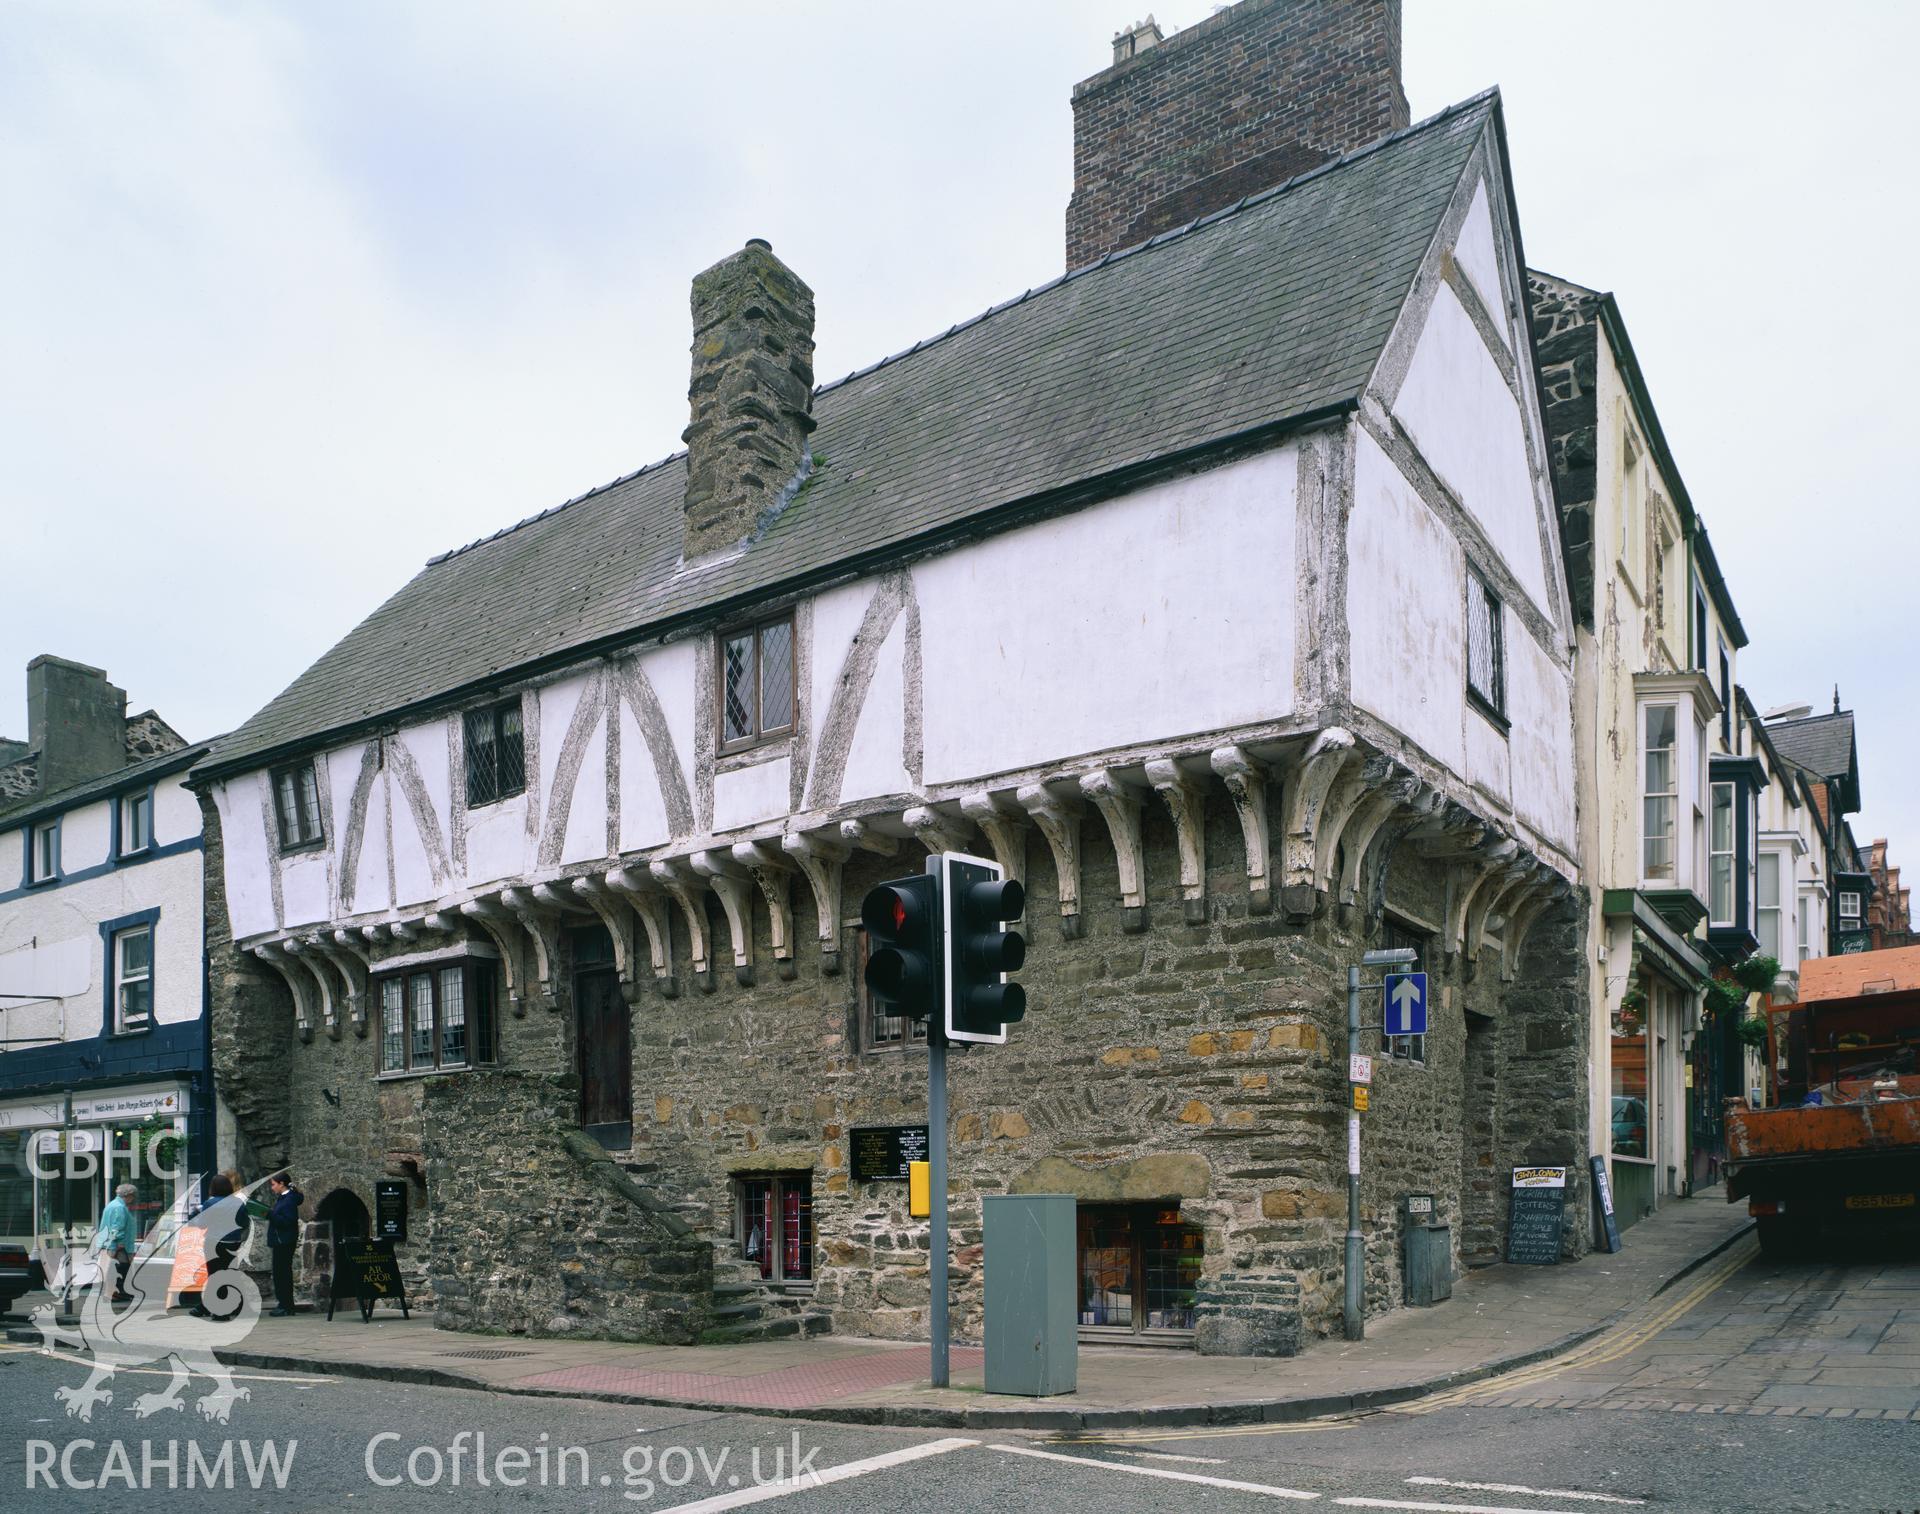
x,y
1608,1347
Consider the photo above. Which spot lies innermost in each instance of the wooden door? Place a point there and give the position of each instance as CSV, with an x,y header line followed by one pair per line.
x,y
605,1036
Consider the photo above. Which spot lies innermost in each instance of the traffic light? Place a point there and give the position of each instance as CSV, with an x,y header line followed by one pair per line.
x,y
979,899
903,926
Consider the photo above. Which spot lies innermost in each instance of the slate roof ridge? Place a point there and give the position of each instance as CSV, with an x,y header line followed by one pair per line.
x,y
1199,223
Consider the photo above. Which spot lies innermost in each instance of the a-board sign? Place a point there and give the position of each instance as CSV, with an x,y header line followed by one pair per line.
x,y
390,1211
1534,1217
1603,1196
368,1271
884,1153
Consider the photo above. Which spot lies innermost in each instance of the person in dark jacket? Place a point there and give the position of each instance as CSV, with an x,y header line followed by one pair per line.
x,y
226,1223
283,1234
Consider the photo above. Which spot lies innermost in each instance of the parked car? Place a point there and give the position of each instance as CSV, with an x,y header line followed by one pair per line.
x,y
17,1273
1629,1126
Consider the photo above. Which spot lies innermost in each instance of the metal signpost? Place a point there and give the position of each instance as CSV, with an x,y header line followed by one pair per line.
x,y
1411,989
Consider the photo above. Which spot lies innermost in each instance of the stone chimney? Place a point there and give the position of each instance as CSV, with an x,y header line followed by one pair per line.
x,y
76,721
1184,125
751,395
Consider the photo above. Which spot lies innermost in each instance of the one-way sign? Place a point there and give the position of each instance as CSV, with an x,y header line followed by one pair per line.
x,y
1406,996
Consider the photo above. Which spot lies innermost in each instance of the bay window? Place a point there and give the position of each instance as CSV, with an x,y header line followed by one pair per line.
x,y
1767,904
1660,794
1720,847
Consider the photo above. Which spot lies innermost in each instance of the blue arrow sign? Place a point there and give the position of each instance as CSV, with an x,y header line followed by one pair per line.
x,y
1406,997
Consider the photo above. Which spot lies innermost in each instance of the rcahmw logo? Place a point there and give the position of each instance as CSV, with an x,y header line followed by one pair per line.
x,y
82,1464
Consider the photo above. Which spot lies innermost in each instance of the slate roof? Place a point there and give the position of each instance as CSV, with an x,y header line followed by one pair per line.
x,y
35,806
1822,744
1272,311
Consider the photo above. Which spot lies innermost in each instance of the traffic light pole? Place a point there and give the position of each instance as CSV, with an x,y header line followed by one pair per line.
x,y
937,1205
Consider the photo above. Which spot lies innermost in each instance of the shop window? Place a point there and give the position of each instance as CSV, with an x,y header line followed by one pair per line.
x,y
136,822
1720,846
1139,1265
756,692
496,753
1395,935
436,1019
296,800
1660,796
775,1225
133,979
1632,1113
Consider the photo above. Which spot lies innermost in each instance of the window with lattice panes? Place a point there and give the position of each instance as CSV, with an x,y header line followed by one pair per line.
x,y
496,753
774,1224
757,683
436,1018
1486,648
880,1031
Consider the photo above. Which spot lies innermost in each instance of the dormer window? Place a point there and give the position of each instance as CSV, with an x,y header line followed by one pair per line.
x,y
496,753
757,691
296,800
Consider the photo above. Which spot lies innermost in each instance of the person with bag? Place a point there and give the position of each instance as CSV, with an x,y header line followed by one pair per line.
x,y
114,1239
283,1234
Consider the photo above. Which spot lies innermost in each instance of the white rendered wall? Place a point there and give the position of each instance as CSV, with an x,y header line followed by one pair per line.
x,y
1162,613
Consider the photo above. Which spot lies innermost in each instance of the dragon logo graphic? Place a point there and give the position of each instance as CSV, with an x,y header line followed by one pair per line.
x,y
146,1331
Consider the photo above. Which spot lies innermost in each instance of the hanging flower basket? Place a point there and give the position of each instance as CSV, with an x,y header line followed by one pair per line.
x,y
1756,974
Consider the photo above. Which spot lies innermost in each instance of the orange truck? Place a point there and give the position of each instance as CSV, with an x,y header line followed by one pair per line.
x,y
1835,1154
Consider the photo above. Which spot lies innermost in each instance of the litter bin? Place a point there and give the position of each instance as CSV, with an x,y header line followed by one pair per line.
x,y
1427,1262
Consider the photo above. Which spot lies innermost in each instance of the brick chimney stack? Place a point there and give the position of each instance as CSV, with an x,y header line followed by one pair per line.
x,y
1184,125
751,395
76,721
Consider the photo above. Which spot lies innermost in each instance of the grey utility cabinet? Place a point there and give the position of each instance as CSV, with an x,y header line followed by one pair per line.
x,y
1032,1325
1427,1262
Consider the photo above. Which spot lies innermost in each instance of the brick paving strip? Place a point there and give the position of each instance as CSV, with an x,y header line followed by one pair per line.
x,y
1499,1319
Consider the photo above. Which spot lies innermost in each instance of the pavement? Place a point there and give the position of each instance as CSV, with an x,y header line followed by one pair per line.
x,y
1500,1319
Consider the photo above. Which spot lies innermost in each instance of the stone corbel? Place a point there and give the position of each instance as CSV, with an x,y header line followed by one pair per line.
x,y
351,964
559,899
400,930
436,920
499,926
820,861
618,919
1119,804
1005,829
643,896
687,891
298,984
310,959
1355,785
1186,801
863,837
540,921
1246,783
1058,817
938,832
774,873
1374,811
735,889
1306,799
1467,881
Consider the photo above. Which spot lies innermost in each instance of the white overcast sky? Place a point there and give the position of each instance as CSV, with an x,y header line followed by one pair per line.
x,y
294,296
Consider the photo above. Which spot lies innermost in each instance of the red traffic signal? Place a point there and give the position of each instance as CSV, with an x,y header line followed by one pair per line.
x,y
902,921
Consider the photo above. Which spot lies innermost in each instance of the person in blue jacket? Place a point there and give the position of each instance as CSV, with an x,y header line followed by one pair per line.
x,y
283,1234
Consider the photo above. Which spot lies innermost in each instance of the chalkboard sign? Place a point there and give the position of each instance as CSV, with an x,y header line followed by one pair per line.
x,y
1603,1196
390,1211
1533,1221
881,1153
366,1270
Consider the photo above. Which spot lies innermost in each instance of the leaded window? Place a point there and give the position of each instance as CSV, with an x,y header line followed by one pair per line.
x,y
496,753
1486,647
1394,935
757,689
296,799
436,1018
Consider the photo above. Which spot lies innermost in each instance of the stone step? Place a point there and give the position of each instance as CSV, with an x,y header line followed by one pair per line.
x,y
785,1326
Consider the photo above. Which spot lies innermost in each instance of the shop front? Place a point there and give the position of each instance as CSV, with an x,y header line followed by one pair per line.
x,y
57,1173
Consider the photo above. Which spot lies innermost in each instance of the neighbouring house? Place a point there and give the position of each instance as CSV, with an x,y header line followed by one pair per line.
x,y
1889,905
103,1036
1824,748
1214,588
